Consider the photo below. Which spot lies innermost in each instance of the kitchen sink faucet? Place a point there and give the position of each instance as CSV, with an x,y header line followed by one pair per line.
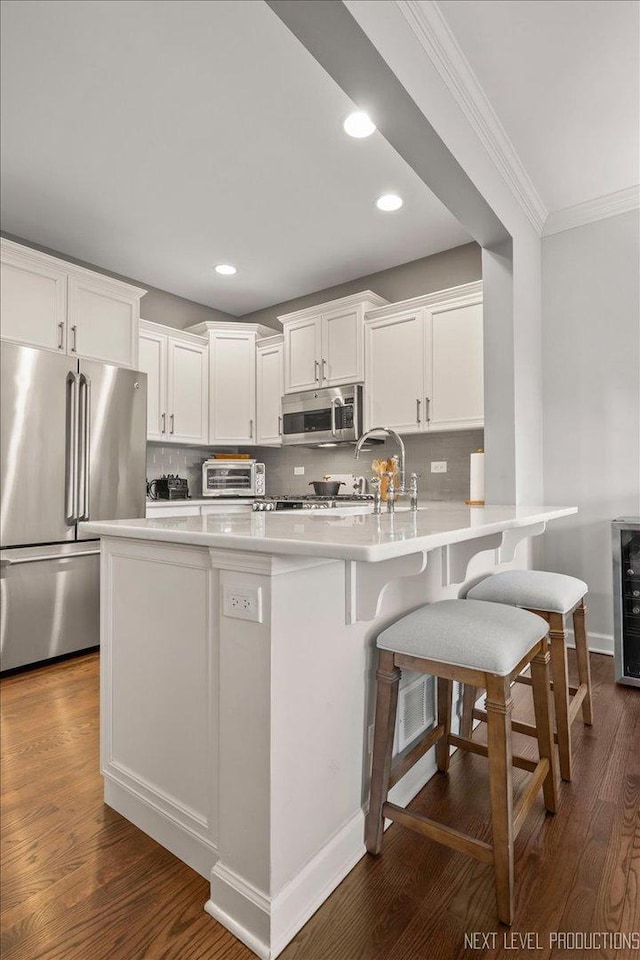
x,y
401,489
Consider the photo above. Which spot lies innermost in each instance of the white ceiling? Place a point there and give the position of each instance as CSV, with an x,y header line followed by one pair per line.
x,y
563,78
157,139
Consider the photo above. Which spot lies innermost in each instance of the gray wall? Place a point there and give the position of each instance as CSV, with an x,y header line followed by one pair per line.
x,y
591,399
156,305
437,272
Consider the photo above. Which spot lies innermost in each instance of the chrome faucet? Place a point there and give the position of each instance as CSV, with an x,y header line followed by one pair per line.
x,y
401,488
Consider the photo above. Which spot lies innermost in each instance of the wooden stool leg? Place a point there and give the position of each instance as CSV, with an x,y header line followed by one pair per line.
x,y
582,656
561,691
388,677
499,707
468,703
444,720
544,727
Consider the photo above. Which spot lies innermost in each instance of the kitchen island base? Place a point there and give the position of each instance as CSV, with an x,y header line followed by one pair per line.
x,y
237,693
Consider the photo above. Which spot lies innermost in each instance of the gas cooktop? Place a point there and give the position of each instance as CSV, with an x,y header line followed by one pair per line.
x,y
310,502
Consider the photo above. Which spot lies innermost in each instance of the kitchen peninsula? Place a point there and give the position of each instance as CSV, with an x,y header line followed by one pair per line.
x,y
237,684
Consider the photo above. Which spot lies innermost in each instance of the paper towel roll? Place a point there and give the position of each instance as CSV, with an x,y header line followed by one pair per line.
x,y
476,478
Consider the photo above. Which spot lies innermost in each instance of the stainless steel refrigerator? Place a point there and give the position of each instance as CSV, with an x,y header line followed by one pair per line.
x,y
73,447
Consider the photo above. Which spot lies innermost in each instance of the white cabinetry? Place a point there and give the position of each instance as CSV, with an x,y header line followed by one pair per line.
x,y
58,306
177,384
323,345
424,362
269,390
232,380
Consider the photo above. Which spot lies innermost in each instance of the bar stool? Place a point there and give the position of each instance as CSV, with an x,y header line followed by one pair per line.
x,y
551,596
481,644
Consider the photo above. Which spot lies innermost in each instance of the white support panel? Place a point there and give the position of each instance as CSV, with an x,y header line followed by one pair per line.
x,y
511,539
365,583
457,556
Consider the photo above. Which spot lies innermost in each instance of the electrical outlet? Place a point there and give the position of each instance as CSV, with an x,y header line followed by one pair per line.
x,y
298,471
242,603
438,466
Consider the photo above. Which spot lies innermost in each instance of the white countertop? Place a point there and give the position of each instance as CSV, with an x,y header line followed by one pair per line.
x,y
343,536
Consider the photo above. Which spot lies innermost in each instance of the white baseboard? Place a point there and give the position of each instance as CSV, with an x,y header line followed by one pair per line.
x,y
266,925
598,642
192,850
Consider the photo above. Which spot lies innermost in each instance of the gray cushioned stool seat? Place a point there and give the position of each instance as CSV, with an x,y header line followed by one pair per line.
x,y
533,589
483,636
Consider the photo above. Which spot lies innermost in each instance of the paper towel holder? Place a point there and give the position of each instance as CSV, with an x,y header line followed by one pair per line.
x,y
476,503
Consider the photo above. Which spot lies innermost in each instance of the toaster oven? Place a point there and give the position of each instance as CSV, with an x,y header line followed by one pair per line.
x,y
233,478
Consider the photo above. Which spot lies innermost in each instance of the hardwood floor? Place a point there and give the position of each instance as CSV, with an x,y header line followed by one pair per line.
x,y
81,883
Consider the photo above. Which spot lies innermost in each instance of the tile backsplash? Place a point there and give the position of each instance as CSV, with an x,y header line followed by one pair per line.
x,y
454,447
183,461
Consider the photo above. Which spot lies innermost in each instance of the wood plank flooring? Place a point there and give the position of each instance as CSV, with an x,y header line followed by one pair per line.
x,y
81,883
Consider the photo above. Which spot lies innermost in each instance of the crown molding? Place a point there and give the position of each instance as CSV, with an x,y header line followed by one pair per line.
x,y
597,209
433,33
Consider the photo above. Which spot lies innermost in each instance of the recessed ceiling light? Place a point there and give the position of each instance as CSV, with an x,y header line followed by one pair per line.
x,y
359,125
389,201
226,269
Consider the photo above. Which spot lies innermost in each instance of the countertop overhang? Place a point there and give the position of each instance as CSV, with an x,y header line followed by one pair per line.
x,y
358,536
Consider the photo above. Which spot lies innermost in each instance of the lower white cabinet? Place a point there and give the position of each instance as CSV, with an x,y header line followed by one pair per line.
x,y
177,384
269,390
424,362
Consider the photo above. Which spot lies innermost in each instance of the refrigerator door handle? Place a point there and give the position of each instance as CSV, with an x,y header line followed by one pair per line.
x,y
84,447
71,451
6,562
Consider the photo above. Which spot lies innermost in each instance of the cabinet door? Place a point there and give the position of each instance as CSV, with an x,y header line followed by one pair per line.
x,y
232,388
342,359
457,400
152,360
187,392
270,385
394,363
302,355
103,324
33,304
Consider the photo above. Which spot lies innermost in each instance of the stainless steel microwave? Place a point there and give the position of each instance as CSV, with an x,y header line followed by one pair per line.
x,y
233,478
321,417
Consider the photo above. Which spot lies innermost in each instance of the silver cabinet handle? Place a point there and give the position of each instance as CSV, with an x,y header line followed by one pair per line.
x,y
172,421
164,423
74,344
316,367
61,335
324,369
72,448
418,405
5,562
85,446
251,429
427,404
279,426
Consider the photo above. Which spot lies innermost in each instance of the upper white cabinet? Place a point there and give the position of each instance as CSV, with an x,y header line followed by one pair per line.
x,y
269,390
424,362
58,306
177,384
232,380
324,344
